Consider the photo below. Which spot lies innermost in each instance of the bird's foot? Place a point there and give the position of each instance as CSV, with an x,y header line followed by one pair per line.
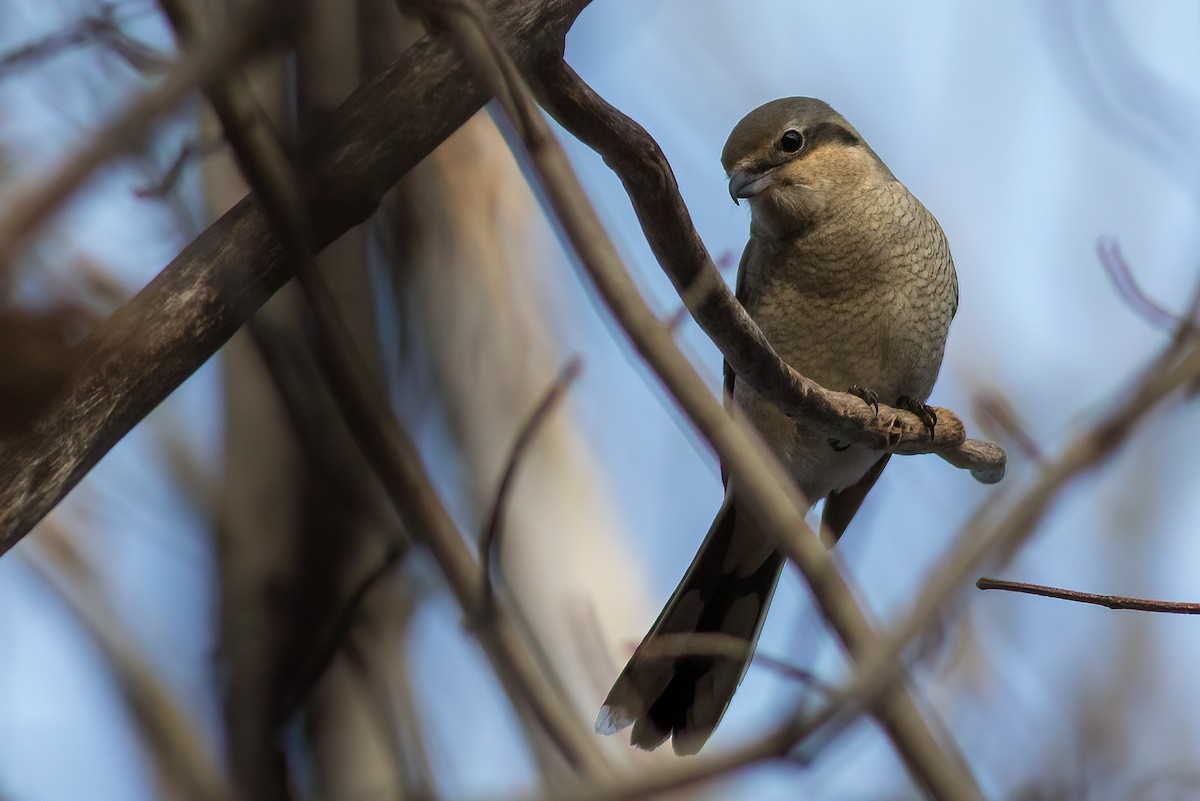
x,y
924,413
867,396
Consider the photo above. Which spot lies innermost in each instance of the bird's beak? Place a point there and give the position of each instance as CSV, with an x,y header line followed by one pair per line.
x,y
743,184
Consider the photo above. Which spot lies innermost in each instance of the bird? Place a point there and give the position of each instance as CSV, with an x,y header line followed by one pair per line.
x,y
851,280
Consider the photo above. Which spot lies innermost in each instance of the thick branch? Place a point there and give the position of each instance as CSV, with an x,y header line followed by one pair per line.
x,y
639,162
137,357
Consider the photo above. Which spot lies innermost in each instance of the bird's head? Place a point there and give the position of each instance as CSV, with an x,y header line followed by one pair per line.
x,y
795,159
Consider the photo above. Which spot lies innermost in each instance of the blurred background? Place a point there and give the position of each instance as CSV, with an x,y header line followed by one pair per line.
x,y
192,580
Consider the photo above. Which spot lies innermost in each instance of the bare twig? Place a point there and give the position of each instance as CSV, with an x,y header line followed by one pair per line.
x,y
206,61
100,28
189,152
489,542
636,158
181,750
343,623
1108,250
1110,601
772,498
996,408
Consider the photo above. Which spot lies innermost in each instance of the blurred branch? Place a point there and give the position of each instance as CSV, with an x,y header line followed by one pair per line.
x,y
643,169
210,58
181,751
146,348
101,28
1110,601
189,153
366,412
1117,269
769,493
993,407
490,541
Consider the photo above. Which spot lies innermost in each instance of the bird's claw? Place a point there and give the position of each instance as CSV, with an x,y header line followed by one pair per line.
x,y
867,396
924,413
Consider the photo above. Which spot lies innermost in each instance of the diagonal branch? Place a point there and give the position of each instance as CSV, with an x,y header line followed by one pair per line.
x,y
140,354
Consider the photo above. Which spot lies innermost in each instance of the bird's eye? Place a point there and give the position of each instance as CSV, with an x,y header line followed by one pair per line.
x,y
791,141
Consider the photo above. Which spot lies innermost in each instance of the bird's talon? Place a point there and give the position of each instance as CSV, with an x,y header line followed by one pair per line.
x,y
925,414
870,397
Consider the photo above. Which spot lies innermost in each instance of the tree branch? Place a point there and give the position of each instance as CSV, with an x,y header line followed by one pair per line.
x,y
140,354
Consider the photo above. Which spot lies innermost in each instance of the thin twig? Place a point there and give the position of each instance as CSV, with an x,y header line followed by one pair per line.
x,y
189,152
343,623
101,28
1108,250
767,489
996,408
489,542
168,731
1110,601
199,65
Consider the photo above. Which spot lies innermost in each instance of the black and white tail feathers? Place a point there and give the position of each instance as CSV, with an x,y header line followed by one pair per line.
x,y
727,591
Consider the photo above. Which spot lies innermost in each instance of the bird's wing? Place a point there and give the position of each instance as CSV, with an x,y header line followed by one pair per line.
x,y
739,292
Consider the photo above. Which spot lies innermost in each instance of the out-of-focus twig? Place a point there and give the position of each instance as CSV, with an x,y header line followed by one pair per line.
x,y
206,61
1110,601
1108,250
168,732
773,499
103,27
189,152
489,542
995,408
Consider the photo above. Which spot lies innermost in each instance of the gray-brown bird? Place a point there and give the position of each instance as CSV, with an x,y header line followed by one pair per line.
x,y
851,280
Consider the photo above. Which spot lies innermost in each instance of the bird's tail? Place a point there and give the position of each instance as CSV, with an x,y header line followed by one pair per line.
x,y
680,689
